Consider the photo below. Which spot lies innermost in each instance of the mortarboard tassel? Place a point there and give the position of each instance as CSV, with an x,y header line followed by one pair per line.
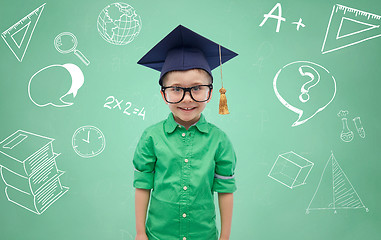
x,y
223,108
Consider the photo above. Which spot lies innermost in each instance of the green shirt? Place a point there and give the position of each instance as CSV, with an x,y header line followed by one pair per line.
x,y
183,168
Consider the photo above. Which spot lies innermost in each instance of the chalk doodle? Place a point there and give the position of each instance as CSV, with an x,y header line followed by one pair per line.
x,y
346,134
320,84
118,105
88,141
299,24
279,18
342,113
66,42
264,52
119,24
359,127
314,76
52,77
334,190
348,26
18,36
126,235
291,169
29,170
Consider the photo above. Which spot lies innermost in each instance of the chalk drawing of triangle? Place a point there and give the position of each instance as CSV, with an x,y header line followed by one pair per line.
x,y
348,27
351,23
19,36
345,195
334,190
323,197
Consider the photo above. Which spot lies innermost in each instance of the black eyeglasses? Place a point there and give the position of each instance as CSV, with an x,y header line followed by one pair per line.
x,y
199,93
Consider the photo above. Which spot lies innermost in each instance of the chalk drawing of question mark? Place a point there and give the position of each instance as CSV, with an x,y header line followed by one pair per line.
x,y
315,78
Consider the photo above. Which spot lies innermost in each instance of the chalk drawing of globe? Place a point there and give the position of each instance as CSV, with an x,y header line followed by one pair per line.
x,y
119,24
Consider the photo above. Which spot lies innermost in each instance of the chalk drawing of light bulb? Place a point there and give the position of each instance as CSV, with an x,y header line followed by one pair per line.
x,y
49,85
305,88
346,134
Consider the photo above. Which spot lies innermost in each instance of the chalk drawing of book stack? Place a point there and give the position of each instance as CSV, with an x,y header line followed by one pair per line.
x,y
334,190
29,170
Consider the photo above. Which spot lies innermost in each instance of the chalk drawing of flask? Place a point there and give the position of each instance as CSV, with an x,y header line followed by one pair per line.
x,y
359,127
346,134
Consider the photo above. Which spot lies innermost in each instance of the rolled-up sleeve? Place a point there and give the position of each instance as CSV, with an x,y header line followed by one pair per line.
x,y
224,178
144,163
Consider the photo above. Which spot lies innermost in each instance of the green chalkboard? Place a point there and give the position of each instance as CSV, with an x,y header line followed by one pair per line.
x,y
303,97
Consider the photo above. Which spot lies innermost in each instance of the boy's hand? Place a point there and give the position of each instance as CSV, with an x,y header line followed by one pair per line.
x,y
141,236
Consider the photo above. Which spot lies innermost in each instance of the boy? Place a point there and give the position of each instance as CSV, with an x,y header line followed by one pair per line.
x,y
184,159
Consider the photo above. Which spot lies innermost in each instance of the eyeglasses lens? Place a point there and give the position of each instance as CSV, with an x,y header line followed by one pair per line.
x,y
198,93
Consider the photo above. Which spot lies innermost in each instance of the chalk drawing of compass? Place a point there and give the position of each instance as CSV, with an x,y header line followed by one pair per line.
x,y
88,141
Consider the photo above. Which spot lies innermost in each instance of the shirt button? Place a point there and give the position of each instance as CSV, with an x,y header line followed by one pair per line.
x,y
186,160
185,188
184,215
183,134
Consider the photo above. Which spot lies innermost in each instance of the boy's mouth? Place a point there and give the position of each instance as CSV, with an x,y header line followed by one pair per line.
x,y
187,109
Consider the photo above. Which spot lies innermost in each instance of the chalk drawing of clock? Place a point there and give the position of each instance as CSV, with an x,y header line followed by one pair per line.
x,y
88,141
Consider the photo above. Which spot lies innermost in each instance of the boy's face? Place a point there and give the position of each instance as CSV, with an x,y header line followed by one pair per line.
x,y
187,112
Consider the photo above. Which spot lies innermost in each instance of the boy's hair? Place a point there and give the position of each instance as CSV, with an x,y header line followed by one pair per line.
x,y
198,69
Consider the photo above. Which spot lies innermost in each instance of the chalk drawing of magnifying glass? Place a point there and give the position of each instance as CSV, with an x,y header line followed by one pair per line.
x,y
66,42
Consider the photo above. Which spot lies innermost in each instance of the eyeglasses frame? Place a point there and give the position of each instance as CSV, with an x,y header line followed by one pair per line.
x,y
187,90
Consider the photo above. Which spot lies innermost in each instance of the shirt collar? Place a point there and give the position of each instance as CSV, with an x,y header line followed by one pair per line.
x,y
170,124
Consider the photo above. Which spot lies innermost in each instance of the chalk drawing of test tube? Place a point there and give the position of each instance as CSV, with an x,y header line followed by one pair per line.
x,y
66,42
359,127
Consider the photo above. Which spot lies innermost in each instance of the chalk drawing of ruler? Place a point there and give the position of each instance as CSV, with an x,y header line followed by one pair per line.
x,y
25,28
348,26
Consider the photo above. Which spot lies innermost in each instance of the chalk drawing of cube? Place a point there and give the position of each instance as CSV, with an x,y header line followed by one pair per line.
x,y
291,169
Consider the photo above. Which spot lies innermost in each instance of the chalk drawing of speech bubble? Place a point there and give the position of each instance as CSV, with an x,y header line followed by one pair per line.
x,y
305,88
48,85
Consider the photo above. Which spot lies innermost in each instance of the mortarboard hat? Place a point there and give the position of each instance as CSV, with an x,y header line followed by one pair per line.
x,y
182,49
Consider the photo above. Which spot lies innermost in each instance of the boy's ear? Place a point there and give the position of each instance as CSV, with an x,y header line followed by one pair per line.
x,y
162,95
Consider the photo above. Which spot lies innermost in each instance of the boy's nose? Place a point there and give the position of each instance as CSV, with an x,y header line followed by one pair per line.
x,y
187,97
